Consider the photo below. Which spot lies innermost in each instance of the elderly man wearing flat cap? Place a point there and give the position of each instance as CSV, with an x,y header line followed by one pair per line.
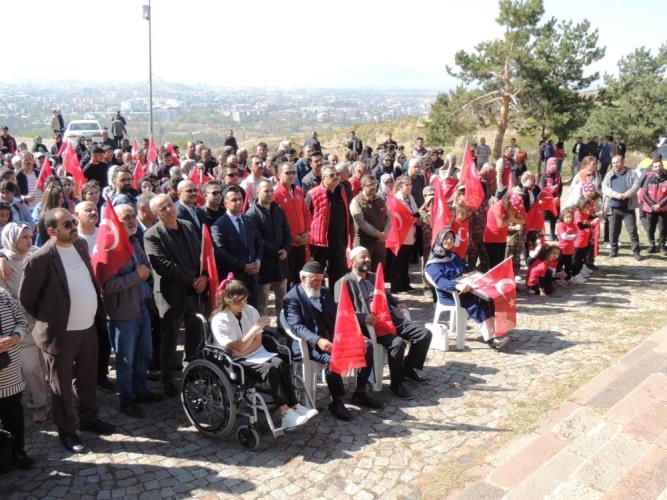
x,y
311,314
360,283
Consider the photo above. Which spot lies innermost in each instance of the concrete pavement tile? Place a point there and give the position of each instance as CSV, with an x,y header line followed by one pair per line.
x,y
540,483
572,489
588,444
577,423
645,480
480,491
649,423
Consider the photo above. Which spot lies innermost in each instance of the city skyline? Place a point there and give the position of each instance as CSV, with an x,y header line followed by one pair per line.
x,y
292,44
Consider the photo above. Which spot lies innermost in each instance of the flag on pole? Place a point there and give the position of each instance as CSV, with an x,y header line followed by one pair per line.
x,y
112,246
349,345
135,149
440,213
207,262
380,307
401,222
474,192
151,157
44,174
72,166
498,285
139,172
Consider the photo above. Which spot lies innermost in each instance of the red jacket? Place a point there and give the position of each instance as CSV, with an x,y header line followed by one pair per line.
x,y
566,233
320,209
537,270
582,220
293,204
654,192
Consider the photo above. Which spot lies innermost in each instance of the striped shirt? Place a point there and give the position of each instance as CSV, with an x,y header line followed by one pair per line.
x,y
12,320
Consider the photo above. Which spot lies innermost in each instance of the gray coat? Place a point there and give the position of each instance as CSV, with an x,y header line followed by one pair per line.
x,y
608,193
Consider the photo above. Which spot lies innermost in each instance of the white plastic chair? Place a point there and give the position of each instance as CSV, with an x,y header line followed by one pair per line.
x,y
309,368
458,318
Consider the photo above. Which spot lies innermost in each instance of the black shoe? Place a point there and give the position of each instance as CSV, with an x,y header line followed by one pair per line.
x,y
653,249
415,377
72,442
106,385
149,397
498,342
338,410
592,267
637,256
23,461
131,409
362,398
98,426
170,390
400,391
153,375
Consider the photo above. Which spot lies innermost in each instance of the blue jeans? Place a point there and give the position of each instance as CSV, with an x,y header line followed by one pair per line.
x,y
131,340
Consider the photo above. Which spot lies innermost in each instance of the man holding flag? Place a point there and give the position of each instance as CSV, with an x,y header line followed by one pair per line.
x,y
127,294
311,314
374,307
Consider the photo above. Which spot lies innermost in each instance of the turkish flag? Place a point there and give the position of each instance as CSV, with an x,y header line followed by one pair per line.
x,y
199,177
207,262
139,172
246,200
401,222
72,166
44,174
112,246
151,157
474,193
349,345
440,214
135,149
549,202
380,307
498,285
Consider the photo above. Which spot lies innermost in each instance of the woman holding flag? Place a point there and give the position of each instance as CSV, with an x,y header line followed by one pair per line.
x,y
445,268
400,281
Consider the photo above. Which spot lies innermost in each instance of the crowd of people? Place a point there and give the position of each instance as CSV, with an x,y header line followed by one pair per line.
x,y
281,223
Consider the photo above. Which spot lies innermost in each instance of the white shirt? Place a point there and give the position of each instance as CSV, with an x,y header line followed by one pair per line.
x,y
82,294
226,329
90,239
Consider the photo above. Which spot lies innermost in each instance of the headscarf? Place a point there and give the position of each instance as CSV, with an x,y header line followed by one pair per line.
x,y
384,189
488,176
438,252
552,166
10,237
587,187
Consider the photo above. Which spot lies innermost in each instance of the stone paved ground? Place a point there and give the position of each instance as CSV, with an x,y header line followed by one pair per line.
x,y
476,401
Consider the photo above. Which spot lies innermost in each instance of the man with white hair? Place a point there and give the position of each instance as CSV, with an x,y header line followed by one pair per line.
x,y
360,283
310,312
126,301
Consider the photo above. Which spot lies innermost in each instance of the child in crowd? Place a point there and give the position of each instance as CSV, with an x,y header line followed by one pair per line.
x,y
5,217
567,233
541,272
461,229
535,243
584,219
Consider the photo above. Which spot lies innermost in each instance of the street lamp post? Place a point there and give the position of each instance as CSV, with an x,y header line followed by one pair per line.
x,y
147,17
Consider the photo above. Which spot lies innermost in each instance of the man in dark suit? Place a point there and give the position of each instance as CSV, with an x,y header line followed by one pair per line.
x,y
59,290
237,244
361,285
311,314
186,206
173,248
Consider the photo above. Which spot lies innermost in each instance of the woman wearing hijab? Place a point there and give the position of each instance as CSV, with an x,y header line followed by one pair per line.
x,y
386,185
17,246
444,267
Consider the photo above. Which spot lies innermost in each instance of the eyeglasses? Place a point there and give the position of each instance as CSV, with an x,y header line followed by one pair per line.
x,y
290,172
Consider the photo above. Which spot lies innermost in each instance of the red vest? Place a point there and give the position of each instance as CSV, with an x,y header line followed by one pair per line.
x,y
294,206
321,212
656,190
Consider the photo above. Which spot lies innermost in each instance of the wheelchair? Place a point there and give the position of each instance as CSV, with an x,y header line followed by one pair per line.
x,y
215,392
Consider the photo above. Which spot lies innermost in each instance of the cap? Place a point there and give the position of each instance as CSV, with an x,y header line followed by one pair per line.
x,y
313,267
356,251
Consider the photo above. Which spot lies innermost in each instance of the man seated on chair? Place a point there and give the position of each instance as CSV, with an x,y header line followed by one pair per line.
x,y
311,314
444,267
361,285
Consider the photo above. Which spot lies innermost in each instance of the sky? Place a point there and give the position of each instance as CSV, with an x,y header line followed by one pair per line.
x,y
288,43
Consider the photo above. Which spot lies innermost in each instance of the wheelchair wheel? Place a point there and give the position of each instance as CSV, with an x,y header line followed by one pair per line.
x,y
247,437
208,398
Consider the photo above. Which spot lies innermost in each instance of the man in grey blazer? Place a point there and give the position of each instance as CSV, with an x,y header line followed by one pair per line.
x,y
174,248
59,290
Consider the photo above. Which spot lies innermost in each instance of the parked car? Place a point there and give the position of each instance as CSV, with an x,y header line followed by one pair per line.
x,y
86,128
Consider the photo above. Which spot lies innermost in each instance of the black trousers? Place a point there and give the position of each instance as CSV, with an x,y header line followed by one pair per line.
x,y
333,258
657,220
618,217
273,377
400,280
496,253
395,347
103,353
579,259
565,264
295,261
11,417
155,338
545,283
335,381
169,326
420,340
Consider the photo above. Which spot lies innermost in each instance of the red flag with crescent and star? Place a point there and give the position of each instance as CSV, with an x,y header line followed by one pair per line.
x,y
440,213
139,172
207,262
72,166
349,344
498,284
401,222
112,245
44,174
380,307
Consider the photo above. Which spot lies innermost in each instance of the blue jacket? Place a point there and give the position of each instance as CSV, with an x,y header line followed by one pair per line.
x,y
300,315
444,275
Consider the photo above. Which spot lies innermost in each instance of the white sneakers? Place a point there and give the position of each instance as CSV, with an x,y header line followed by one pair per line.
x,y
293,419
578,279
306,412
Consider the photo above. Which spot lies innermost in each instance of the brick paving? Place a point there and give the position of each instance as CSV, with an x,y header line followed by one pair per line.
x,y
475,402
